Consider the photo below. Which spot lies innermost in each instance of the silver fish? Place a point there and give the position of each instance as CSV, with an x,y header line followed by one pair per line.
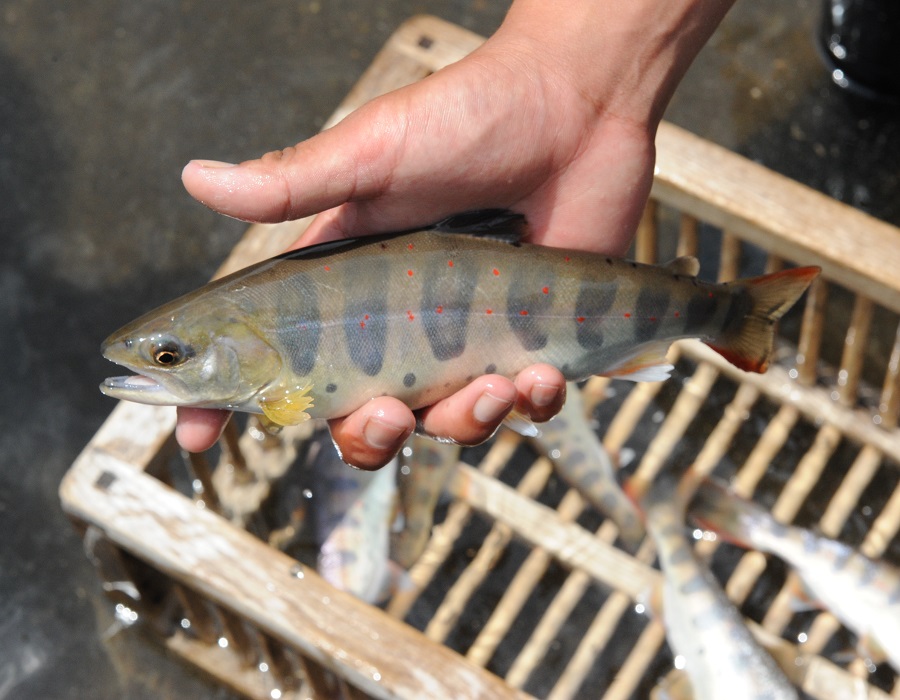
x,y
862,593
354,513
423,474
721,656
581,460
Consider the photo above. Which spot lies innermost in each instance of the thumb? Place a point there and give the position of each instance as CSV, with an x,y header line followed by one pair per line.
x,y
331,168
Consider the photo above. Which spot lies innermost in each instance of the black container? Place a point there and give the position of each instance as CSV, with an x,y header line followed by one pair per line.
x,y
860,40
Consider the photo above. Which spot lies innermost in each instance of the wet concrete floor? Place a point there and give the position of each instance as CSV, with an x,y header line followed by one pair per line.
x,y
102,103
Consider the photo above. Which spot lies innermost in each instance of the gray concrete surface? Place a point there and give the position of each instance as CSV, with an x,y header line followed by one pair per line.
x,y
101,104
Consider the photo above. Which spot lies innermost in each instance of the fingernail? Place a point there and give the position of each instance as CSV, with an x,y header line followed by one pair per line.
x,y
214,164
489,408
544,394
382,435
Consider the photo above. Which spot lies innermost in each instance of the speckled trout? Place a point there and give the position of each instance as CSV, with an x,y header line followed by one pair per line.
x,y
320,330
862,593
721,657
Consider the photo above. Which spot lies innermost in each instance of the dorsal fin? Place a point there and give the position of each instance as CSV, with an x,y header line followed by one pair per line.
x,y
500,224
686,265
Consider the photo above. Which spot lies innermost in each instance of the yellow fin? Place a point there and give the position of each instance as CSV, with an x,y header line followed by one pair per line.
x,y
287,406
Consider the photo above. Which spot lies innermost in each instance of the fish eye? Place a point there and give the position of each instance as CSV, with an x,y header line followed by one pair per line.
x,y
167,353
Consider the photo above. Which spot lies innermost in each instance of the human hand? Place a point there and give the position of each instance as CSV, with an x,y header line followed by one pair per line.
x,y
514,125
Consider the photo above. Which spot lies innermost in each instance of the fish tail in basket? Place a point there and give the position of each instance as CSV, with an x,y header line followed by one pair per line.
x,y
734,519
761,301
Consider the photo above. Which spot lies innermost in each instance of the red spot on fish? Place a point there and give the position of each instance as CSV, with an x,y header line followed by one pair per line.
x,y
384,246
449,263
677,314
409,246
710,295
580,319
409,272
410,316
440,309
567,259
546,290
523,312
627,315
362,324
496,272
366,317
489,311
327,269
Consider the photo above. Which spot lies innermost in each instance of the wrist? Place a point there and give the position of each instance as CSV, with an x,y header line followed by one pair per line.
x,y
626,57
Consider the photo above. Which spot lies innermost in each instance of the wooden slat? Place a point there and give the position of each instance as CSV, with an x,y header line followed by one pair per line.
x,y
777,213
237,571
814,402
496,541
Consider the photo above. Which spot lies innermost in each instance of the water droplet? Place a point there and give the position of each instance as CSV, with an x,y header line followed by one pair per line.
x,y
125,615
185,623
307,493
793,373
802,637
640,608
326,600
837,75
407,451
223,643
405,470
297,571
555,454
376,676
197,486
275,694
263,667
867,511
679,662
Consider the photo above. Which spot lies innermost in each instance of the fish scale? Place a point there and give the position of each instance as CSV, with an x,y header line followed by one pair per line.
x,y
320,330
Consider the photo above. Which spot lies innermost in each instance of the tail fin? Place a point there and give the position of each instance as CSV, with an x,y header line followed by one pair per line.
x,y
731,517
748,342
672,485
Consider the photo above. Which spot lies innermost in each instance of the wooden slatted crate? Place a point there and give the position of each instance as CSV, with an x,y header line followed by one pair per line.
x,y
521,577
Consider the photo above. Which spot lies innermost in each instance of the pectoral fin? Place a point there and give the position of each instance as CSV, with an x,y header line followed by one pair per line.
x,y
521,424
287,405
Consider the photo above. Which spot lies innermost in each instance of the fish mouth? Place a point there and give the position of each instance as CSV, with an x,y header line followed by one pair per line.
x,y
137,387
